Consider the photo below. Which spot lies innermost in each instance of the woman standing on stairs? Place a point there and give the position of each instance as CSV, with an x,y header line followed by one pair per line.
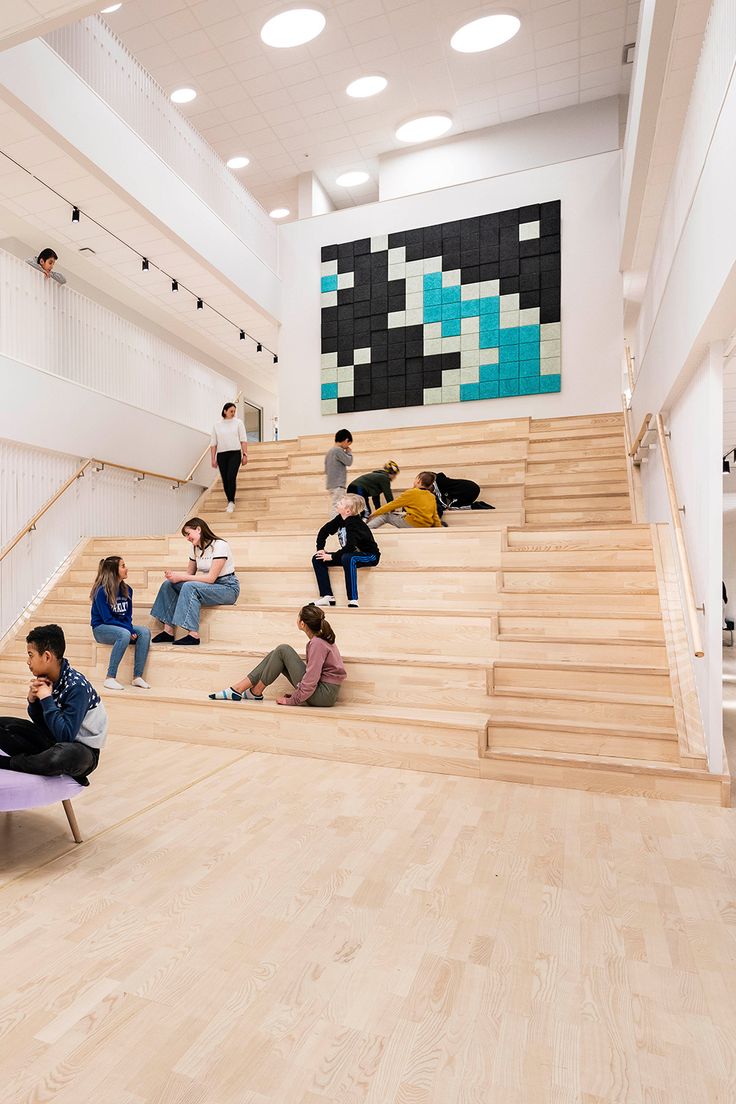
x,y
209,580
229,449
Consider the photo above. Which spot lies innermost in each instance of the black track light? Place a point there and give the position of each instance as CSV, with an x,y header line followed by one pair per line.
x,y
275,359
200,304
75,214
174,285
259,348
144,264
242,335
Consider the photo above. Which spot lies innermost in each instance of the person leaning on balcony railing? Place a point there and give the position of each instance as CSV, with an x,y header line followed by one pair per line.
x,y
45,262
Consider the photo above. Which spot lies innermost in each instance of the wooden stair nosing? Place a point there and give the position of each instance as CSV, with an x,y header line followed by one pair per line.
x,y
572,726
600,762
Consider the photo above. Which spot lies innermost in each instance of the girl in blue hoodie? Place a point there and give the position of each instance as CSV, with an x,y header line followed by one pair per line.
x,y
112,621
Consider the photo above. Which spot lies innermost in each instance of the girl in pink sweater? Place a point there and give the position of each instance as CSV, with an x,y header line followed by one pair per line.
x,y
317,681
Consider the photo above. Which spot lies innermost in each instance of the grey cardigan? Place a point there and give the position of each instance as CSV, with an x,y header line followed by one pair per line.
x,y
54,275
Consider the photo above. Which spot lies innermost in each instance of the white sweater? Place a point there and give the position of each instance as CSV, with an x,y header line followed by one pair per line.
x,y
227,434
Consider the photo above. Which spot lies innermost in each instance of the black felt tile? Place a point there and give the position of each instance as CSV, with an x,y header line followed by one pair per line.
x,y
528,299
549,217
362,293
344,314
549,309
365,402
414,396
414,333
451,260
362,380
508,285
396,369
510,266
470,256
414,364
549,261
550,243
529,281
470,274
346,264
379,371
449,360
363,245
415,348
416,252
345,250
529,248
329,327
362,309
345,295
345,405
508,218
490,271
378,322
396,240
329,343
529,213
550,278
415,237
344,355
329,253
528,264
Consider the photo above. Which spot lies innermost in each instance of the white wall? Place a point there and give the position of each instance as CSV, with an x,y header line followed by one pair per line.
x,y
693,417
729,563
592,331
43,410
545,139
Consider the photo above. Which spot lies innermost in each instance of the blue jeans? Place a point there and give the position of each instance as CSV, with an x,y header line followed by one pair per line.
x,y
120,639
180,603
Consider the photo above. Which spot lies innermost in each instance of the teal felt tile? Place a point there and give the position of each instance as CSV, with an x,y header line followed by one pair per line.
x,y
508,387
451,294
488,390
509,337
469,308
329,283
528,333
432,281
451,310
469,391
488,338
329,390
451,327
432,313
508,371
432,295
549,383
528,368
489,373
529,353
489,305
529,385
508,354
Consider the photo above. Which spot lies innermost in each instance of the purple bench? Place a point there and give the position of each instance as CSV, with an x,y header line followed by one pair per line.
x,y
30,791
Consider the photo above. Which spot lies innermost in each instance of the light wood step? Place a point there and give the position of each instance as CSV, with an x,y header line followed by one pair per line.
x,y
565,737
590,581
626,680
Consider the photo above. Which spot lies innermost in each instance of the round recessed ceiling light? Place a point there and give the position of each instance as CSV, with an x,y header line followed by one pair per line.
x,y
366,86
238,162
183,95
485,33
424,128
293,28
111,9
352,179
279,212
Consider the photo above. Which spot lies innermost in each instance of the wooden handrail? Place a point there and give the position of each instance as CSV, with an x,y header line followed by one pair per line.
x,y
175,480
687,580
32,523
643,430
188,479
629,366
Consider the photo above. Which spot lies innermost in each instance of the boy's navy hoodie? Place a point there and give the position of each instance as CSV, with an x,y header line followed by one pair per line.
x,y
73,711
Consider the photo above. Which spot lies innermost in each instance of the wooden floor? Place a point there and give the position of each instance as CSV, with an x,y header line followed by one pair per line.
x,y
254,929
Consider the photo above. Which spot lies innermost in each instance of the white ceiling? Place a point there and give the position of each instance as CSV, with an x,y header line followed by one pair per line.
x,y
287,109
113,265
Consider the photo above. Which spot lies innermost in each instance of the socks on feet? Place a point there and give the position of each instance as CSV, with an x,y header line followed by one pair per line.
x,y
228,694
252,697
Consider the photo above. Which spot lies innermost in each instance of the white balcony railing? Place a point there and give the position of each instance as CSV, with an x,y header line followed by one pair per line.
x,y
91,49
712,79
60,331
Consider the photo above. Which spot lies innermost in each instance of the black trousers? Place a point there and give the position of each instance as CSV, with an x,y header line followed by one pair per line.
x,y
32,750
356,488
229,464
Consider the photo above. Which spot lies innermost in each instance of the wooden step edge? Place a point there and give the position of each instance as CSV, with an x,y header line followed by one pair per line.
x,y
601,762
469,720
579,665
583,728
572,641
611,697
548,568
597,592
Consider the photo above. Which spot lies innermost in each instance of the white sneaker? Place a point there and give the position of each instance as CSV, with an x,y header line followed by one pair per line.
x,y
327,600
113,684
230,507
141,683
354,603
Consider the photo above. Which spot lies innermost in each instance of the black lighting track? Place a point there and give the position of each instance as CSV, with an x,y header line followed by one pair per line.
x,y
146,263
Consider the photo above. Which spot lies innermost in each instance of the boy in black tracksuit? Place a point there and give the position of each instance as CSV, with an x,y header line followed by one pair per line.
x,y
457,494
358,548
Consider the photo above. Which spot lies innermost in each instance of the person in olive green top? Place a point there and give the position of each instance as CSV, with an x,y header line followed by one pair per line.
x,y
418,504
376,483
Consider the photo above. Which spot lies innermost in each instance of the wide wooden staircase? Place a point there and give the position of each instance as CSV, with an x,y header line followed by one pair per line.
x,y
540,643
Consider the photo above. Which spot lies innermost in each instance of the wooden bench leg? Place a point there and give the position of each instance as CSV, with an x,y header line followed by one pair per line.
x,y
71,817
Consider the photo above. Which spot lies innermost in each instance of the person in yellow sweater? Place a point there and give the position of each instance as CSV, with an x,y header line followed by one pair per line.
x,y
418,506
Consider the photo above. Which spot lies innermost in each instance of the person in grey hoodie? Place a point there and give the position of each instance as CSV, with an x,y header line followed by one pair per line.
x,y
337,460
45,262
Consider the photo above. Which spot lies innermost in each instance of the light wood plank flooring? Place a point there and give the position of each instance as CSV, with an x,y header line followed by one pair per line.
x,y
295,931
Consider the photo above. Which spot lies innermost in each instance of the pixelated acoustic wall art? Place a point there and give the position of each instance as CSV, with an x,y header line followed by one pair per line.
x,y
451,313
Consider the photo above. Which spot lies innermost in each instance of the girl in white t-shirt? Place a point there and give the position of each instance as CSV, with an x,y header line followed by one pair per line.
x,y
229,449
210,580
